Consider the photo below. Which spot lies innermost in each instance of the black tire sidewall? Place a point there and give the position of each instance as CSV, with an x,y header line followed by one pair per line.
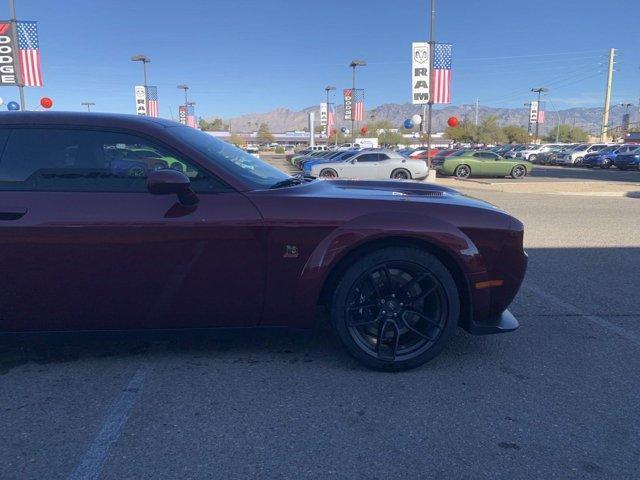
x,y
455,172
407,173
519,166
328,170
411,254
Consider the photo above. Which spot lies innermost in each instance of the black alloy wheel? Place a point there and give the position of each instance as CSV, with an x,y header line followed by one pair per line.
x,y
519,171
401,174
462,171
396,308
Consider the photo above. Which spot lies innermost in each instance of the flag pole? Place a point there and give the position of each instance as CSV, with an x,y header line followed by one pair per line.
x,y
431,48
14,24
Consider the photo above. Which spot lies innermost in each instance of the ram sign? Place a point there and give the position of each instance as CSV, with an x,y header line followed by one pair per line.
x,y
420,79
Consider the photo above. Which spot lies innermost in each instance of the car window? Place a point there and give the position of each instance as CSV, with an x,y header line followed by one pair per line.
x,y
383,156
367,157
89,160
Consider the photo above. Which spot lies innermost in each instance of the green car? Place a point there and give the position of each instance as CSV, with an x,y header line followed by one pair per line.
x,y
482,163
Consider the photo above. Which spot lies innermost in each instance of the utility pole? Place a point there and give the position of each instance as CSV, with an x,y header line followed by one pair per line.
x,y
538,91
14,24
477,105
354,64
432,45
607,95
88,105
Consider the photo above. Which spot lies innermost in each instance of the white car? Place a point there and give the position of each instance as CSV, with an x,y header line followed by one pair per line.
x,y
368,164
576,154
531,153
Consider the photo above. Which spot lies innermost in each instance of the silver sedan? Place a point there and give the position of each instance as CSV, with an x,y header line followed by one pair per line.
x,y
373,164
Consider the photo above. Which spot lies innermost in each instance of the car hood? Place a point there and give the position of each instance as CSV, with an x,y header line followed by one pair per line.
x,y
382,190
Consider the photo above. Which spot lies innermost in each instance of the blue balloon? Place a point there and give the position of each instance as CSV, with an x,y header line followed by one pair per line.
x,y
343,129
408,124
13,106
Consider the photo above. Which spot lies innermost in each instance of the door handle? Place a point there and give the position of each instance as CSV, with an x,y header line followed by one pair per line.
x,y
8,214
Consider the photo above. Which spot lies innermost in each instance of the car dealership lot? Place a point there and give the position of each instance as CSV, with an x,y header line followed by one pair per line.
x,y
556,399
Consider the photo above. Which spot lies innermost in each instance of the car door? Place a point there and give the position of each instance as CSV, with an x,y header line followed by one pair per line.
x,y
362,166
83,245
484,164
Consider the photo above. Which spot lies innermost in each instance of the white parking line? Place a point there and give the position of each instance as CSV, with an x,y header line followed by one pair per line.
x,y
576,311
95,457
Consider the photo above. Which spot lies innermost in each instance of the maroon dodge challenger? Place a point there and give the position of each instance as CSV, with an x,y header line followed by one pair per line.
x,y
93,238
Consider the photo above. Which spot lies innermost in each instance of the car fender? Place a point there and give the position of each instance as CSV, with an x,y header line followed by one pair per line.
x,y
372,227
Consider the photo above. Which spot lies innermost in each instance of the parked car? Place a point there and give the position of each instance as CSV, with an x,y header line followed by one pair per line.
x,y
400,265
629,160
373,164
511,153
575,156
532,152
484,163
342,156
349,146
605,158
549,157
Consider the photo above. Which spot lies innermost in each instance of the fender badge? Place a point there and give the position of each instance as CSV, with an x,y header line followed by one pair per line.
x,y
291,251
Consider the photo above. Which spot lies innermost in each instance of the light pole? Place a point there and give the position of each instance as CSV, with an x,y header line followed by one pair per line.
x,y
185,88
539,91
14,22
354,64
432,46
327,89
88,105
144,59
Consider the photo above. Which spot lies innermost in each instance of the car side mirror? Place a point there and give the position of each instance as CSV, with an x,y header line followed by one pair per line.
x,y
353,161
168,181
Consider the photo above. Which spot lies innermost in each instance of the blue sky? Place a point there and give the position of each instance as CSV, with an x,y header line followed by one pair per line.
x,y
241,56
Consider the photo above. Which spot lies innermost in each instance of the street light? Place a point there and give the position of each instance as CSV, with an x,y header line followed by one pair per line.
x,y
144,59
185,88
88,105
327,89
539,91
354,64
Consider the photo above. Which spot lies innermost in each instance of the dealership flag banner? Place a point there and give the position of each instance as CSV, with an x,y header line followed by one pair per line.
x,y
441,77
141,99
533,114
8,73
354,104
331,118
323,114
541,112
152,101
191,116
420,73
29,51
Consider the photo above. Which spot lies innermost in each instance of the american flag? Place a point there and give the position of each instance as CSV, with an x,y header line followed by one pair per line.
x,y
29,51
541,112
331,118
191,116
358,104
152,101
441,77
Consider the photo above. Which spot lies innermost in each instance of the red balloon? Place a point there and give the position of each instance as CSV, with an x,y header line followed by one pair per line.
x,y
452,122
364,130
46,102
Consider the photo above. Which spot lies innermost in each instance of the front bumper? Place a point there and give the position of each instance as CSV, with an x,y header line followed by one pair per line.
x,y
502,323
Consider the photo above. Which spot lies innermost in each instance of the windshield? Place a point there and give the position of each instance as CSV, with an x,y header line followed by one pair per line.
x,y
609,149
231,159
459,153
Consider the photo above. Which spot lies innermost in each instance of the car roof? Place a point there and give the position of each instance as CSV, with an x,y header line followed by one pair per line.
x,y
83,118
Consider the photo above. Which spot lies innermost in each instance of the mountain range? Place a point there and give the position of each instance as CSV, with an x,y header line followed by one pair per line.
x,y
283,119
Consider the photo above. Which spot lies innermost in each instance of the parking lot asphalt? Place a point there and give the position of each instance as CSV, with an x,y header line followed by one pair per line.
x,y
556,399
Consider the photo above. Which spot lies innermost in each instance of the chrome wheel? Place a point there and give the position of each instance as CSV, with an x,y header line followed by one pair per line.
x,y
462,171
401,175
328,173
518,171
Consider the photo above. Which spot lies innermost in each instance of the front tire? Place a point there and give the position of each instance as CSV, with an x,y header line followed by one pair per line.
x,y
532,158
328,173
462,172
401,174
519,171
606,163
395,308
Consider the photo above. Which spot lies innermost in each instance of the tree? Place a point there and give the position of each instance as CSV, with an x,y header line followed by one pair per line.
x,y
567,134
465,131
236,140
264,134
516,134
217,125
490,132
